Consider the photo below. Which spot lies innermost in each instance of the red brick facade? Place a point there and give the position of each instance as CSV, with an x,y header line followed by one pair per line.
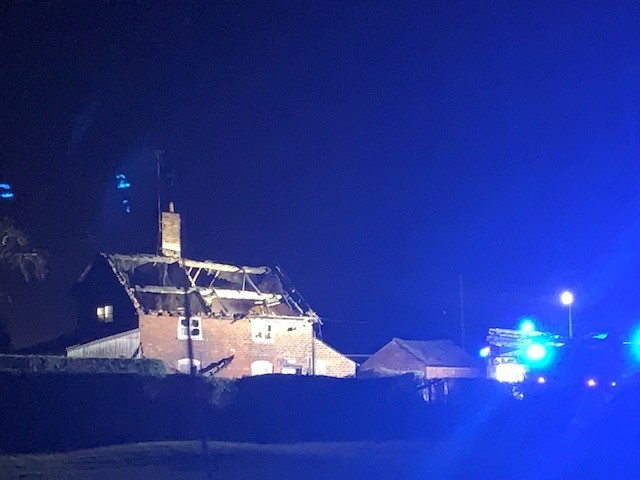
x,y
282,342
336,364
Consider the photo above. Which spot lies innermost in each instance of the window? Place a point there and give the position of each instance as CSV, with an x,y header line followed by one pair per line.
x,y
183,365
262,331
261,367
105,313
191,327
290,367
291,370
320,367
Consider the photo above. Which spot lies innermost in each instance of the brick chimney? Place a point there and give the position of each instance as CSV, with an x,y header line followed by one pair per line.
x,y
170,233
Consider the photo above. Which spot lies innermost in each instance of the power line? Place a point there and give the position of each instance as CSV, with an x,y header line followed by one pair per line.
x,y
335,320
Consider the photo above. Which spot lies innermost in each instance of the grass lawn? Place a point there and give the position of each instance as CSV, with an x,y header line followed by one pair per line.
x,y
184,460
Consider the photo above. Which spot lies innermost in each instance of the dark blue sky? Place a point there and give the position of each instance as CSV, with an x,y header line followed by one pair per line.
x,y
374,149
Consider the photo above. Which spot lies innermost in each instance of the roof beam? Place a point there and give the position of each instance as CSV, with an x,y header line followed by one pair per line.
x,y
207,265
220,293
224,268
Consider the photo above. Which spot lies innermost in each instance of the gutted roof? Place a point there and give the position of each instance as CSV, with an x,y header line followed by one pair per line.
x,y
167,284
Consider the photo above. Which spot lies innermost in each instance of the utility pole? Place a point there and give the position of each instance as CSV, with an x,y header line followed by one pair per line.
x,y
313,349
462,332
199,401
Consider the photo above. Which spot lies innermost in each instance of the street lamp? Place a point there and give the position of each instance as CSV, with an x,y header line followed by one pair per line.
x,y
566,298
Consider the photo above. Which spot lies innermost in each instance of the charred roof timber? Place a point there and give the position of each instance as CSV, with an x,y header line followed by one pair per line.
x,y
168,283
162,284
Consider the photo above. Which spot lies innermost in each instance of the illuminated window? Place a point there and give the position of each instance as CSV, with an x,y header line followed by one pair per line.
x,y
184,363
105,313
261,367
320,367
262,331
190,328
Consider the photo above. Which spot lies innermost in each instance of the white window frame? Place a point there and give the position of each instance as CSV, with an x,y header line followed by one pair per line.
x,y
263,330
261,367
104,313
183,365
183,333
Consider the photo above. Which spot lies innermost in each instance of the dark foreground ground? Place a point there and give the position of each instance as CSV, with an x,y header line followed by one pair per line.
x,y
137,427
330,461
580,451
183,460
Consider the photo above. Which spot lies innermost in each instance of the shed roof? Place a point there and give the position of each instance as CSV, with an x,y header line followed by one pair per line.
x,y
415,355
438,353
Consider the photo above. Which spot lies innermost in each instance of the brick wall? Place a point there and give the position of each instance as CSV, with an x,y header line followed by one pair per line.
x,y
171,234
290,343
337,365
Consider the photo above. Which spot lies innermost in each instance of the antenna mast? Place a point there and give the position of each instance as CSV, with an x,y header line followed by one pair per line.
x,y
158,154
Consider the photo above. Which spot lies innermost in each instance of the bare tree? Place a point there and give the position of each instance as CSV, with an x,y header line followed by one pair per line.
x,y
17,253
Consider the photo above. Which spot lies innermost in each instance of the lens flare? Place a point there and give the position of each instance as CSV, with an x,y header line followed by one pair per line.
x,y
527,326
536,352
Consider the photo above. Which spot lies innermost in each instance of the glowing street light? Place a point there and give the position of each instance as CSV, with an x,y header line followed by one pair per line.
x,y
591,383
566,298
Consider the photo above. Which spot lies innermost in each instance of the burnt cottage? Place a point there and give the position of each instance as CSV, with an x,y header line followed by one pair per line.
x,y
219,319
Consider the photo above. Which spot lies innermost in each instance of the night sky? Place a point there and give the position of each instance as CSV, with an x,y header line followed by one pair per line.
x,y
376,150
